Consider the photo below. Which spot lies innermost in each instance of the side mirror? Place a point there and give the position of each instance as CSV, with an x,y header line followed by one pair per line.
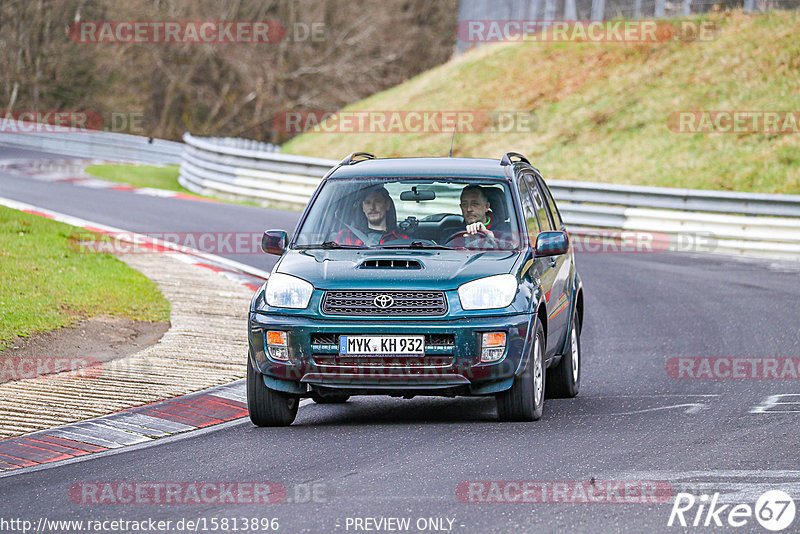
x,y
552,243
274,242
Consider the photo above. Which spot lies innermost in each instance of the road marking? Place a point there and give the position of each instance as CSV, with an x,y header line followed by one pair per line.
x,y
734,486
650,396
776,400
690,408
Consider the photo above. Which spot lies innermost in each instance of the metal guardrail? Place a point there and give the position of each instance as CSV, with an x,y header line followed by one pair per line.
x,y
95,144
241,169
243,173
748,223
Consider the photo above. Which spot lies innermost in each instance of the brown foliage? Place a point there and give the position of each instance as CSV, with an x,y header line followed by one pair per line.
x,y
217,89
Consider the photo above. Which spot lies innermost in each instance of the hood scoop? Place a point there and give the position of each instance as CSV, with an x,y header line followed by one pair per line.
x,y
390,264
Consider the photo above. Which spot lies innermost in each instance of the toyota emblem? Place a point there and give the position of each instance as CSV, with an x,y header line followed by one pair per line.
x,y
383,301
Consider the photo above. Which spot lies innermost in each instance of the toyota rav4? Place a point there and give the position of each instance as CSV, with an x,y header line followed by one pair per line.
x,y
419,276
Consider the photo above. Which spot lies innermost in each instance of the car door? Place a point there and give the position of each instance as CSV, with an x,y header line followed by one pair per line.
x,y
541,268
552,268
558,298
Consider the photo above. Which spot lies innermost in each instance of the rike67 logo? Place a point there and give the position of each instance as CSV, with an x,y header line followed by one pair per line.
x,y
774,510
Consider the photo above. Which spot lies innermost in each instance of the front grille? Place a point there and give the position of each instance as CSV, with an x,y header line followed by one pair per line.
x,y
400,303
385,362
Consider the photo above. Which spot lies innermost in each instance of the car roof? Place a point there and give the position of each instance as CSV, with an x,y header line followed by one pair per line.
x,y
423,167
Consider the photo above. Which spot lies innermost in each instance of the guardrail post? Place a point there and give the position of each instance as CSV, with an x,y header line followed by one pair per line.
x,y
687,7
637,9
659,12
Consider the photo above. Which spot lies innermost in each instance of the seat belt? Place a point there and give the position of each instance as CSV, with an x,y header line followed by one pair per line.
x,y
358,233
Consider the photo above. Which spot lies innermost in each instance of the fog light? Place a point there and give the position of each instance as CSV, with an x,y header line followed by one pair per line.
x,y
276,346
493,345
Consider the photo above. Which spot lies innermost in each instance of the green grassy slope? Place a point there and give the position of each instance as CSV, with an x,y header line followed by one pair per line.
x,y
602,108
48,281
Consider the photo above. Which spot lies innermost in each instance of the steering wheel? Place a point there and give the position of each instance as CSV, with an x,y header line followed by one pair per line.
x,y
461,233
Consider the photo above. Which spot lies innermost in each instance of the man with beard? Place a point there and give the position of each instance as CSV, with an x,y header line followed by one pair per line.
x,y
380,228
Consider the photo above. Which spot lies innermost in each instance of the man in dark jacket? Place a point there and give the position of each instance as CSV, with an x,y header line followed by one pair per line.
x,y
481,229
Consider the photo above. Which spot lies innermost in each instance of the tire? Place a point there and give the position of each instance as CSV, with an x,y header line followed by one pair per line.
x,y
564,380
268,407
330,399
524,401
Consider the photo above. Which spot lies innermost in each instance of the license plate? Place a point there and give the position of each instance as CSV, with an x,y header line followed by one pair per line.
x,y
377,345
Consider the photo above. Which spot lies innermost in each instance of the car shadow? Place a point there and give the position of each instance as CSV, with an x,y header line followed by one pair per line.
x,y
390,411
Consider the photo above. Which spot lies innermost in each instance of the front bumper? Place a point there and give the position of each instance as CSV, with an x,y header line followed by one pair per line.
x,y
451,365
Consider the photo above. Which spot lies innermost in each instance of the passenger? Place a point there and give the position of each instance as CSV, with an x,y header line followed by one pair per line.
x,y
381,221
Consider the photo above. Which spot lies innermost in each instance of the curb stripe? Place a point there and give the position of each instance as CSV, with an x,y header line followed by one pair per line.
x,y
128,427
234,270
99,183
80,447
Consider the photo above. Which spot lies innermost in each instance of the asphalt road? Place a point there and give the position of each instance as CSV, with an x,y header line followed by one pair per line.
x,y
385,458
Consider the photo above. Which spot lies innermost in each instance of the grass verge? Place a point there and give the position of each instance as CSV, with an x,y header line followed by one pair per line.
x,y
140,176
157,178
46,282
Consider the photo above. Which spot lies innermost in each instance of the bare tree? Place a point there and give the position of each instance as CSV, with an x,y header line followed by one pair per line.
x,y
360,47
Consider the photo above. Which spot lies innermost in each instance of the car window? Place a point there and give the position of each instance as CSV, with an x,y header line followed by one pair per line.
x,y
410,210
541,208
531,219
550,203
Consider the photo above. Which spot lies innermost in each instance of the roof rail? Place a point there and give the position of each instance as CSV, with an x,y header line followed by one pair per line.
x,y
355,157
506,159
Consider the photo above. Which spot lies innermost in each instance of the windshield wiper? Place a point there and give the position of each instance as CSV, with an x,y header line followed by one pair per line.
x,y
330,245
419,244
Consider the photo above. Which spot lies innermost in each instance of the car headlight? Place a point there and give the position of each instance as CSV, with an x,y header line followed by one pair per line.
x,y
284,291
488,293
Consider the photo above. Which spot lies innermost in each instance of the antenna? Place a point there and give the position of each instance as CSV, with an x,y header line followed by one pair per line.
x,y
453,140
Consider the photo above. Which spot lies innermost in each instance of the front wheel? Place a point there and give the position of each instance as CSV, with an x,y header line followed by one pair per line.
x,y
564,380
268,407
524,401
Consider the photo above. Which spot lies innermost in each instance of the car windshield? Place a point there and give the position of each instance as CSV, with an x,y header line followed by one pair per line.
x,y
393,212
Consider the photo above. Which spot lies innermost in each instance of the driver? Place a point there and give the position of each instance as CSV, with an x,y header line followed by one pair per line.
x,y
380,227
481,230
476,211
